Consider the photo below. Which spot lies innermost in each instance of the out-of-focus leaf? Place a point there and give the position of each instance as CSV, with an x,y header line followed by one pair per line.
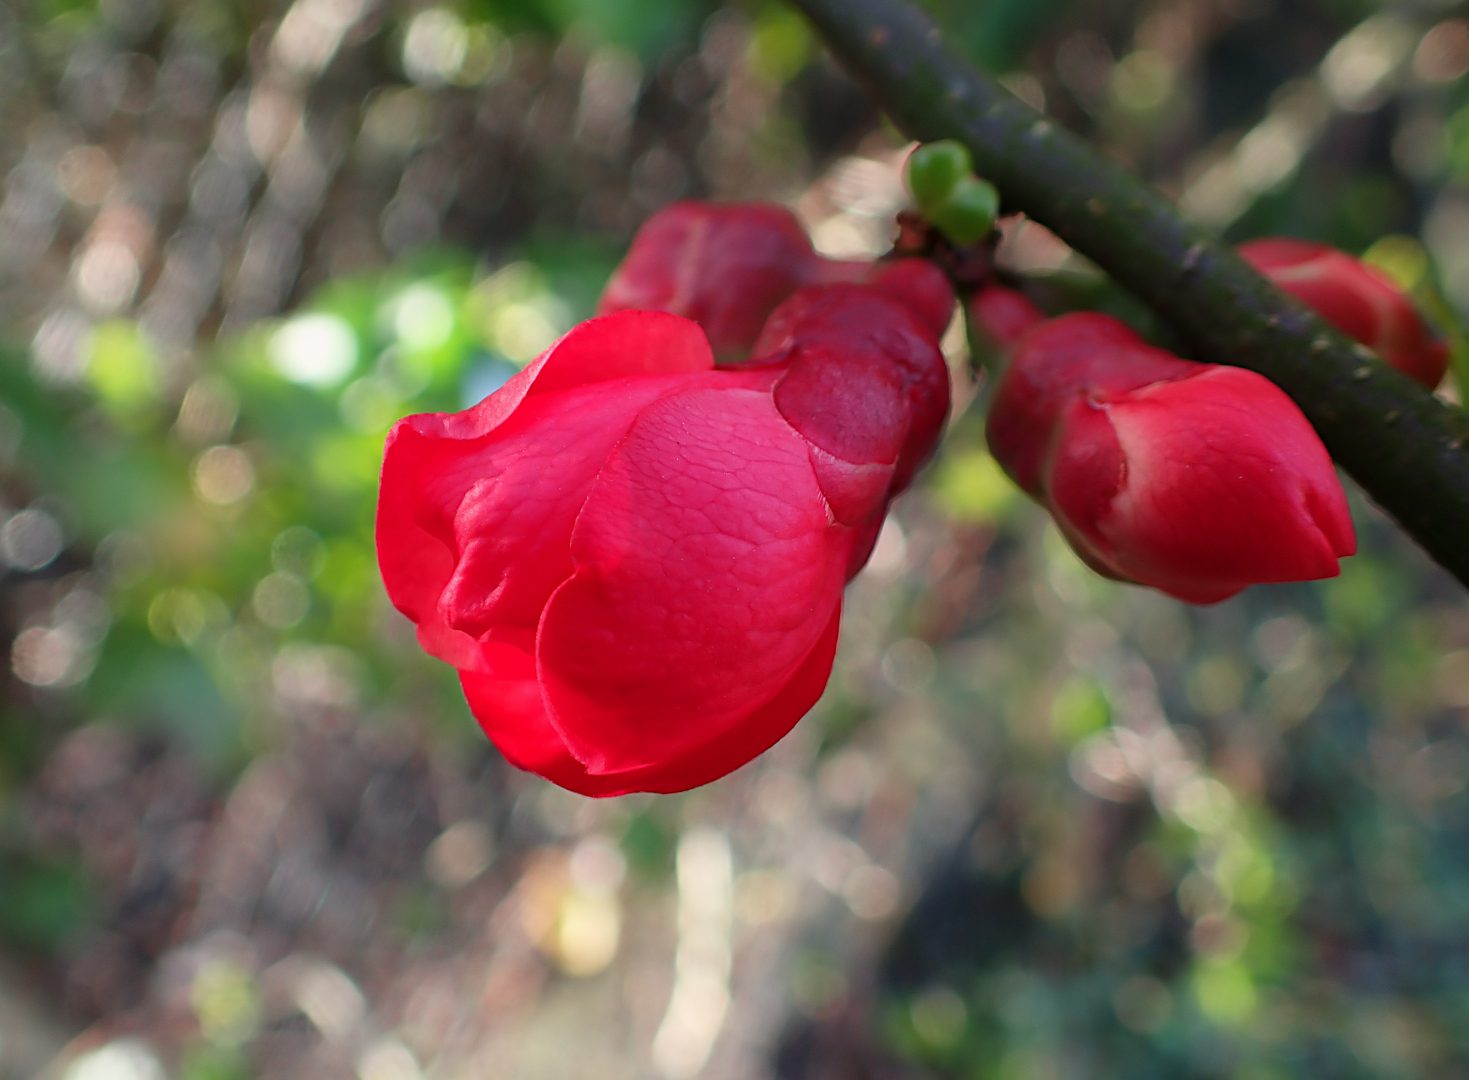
x,y
44,902
971,486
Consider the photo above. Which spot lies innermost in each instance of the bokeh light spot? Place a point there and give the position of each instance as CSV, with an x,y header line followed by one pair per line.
x,y
223,475
315,350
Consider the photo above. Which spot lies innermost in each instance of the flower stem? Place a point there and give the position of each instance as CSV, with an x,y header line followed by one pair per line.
x,y
1403,445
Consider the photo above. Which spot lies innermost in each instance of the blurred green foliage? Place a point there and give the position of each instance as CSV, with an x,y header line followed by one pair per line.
x,y
242,521
44,902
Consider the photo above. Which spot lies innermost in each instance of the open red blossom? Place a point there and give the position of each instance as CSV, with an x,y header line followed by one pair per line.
x,y
635,559
724,265
1195,479
1359,300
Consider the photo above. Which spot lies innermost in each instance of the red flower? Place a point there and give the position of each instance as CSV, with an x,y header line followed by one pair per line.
x,y
1359,300
636,560
1196,479
726,266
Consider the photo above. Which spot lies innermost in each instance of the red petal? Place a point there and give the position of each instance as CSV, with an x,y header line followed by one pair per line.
x,y
1005,315
1270,252
529,477
512,526
854,493
1084,474
1226,485
851,321
624,344
724,266
512,714
433,459
707,569
850,406
921,287
1053,363
507,703
849,402
416,563
615,346
1359,300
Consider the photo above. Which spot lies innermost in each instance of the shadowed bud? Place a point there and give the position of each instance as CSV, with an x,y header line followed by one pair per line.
x,y
724,266
1359,300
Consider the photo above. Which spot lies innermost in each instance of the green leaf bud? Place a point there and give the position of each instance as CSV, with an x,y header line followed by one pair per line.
x,y
969,213
934,169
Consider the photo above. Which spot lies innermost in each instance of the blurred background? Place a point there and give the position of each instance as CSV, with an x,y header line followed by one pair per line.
x,y
1042,826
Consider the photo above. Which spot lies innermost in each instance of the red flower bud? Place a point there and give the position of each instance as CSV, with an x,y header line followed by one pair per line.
x,y
724,266
727,266
636,560
1359,300
916,283
1196,479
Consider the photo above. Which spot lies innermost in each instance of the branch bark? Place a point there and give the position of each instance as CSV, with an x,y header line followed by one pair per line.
x,y
1399,442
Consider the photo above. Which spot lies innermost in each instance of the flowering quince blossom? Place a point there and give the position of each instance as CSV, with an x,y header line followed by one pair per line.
x,y
1359,300
724,265
1195,479
636,559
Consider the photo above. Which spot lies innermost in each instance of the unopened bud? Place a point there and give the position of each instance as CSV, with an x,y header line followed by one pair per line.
x,y
969,213
1195,479
1360,300
934,169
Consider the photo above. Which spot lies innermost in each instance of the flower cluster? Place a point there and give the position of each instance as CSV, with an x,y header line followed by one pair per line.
x,y
634,552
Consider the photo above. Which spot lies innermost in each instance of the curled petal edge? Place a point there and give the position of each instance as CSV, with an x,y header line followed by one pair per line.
x,y
509,707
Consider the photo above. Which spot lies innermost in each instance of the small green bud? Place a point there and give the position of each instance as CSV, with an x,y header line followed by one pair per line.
x,y
969,213
934,169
